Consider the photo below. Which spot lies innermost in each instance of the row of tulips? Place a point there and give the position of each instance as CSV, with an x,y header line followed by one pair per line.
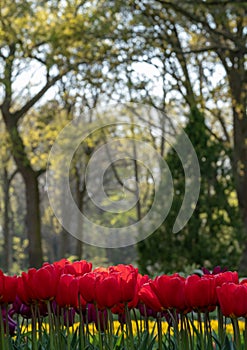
x,y
65,292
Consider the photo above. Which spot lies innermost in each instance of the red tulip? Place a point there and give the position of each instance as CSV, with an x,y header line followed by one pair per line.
x,y
170,291
8,288
123,269
61,263
149,298
232,299
127,287
39,285
140,280
120,307
108,291
25,289
128,283
67,291
45,282
100,270
77,268
225,277
87,286
200,292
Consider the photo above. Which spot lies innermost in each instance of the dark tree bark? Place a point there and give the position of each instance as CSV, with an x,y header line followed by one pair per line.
x,y
30,177
33,220
80,198
7,251
238,85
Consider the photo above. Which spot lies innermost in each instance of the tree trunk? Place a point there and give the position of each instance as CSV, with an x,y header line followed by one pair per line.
x,y
79,249
80,189
243,261
64,246
6,231
238,86
33,221
30,177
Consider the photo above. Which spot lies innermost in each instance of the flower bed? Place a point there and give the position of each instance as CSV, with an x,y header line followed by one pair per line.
x,y
70,306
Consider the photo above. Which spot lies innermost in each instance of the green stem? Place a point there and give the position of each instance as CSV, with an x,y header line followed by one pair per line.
x,y
236,331
177,336
51,326
188,331
245,334
137,326
129,329
81,327
67,327
146,318
87,325
110,329
7,327
201,331
208,331
185,333
34,326
159,326
99,328
220,326
58,328
2,329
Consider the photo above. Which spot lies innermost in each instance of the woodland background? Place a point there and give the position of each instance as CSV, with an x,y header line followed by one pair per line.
x,y
60,59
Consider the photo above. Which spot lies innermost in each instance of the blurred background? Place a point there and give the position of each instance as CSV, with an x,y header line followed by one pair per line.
x,y
59,59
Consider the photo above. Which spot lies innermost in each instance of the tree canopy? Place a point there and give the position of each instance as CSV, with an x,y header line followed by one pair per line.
x,y
186,59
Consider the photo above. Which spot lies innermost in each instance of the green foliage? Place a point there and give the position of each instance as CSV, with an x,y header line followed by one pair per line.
x,y
182,333
87,48
44,44
213,234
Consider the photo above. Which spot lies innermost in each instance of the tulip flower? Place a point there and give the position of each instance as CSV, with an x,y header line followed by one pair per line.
x,y
216,270
200,292
225,277
77,268
140,280
60,263
101,270
170,291
8,288
149,298
21,309
100,320
87,286
45,282
123,270
67,291
127,279
130,282
127,286
39,285
232,299
7,319
108,291
23,293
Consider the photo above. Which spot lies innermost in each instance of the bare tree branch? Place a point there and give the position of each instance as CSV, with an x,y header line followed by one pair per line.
x,y
21,112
